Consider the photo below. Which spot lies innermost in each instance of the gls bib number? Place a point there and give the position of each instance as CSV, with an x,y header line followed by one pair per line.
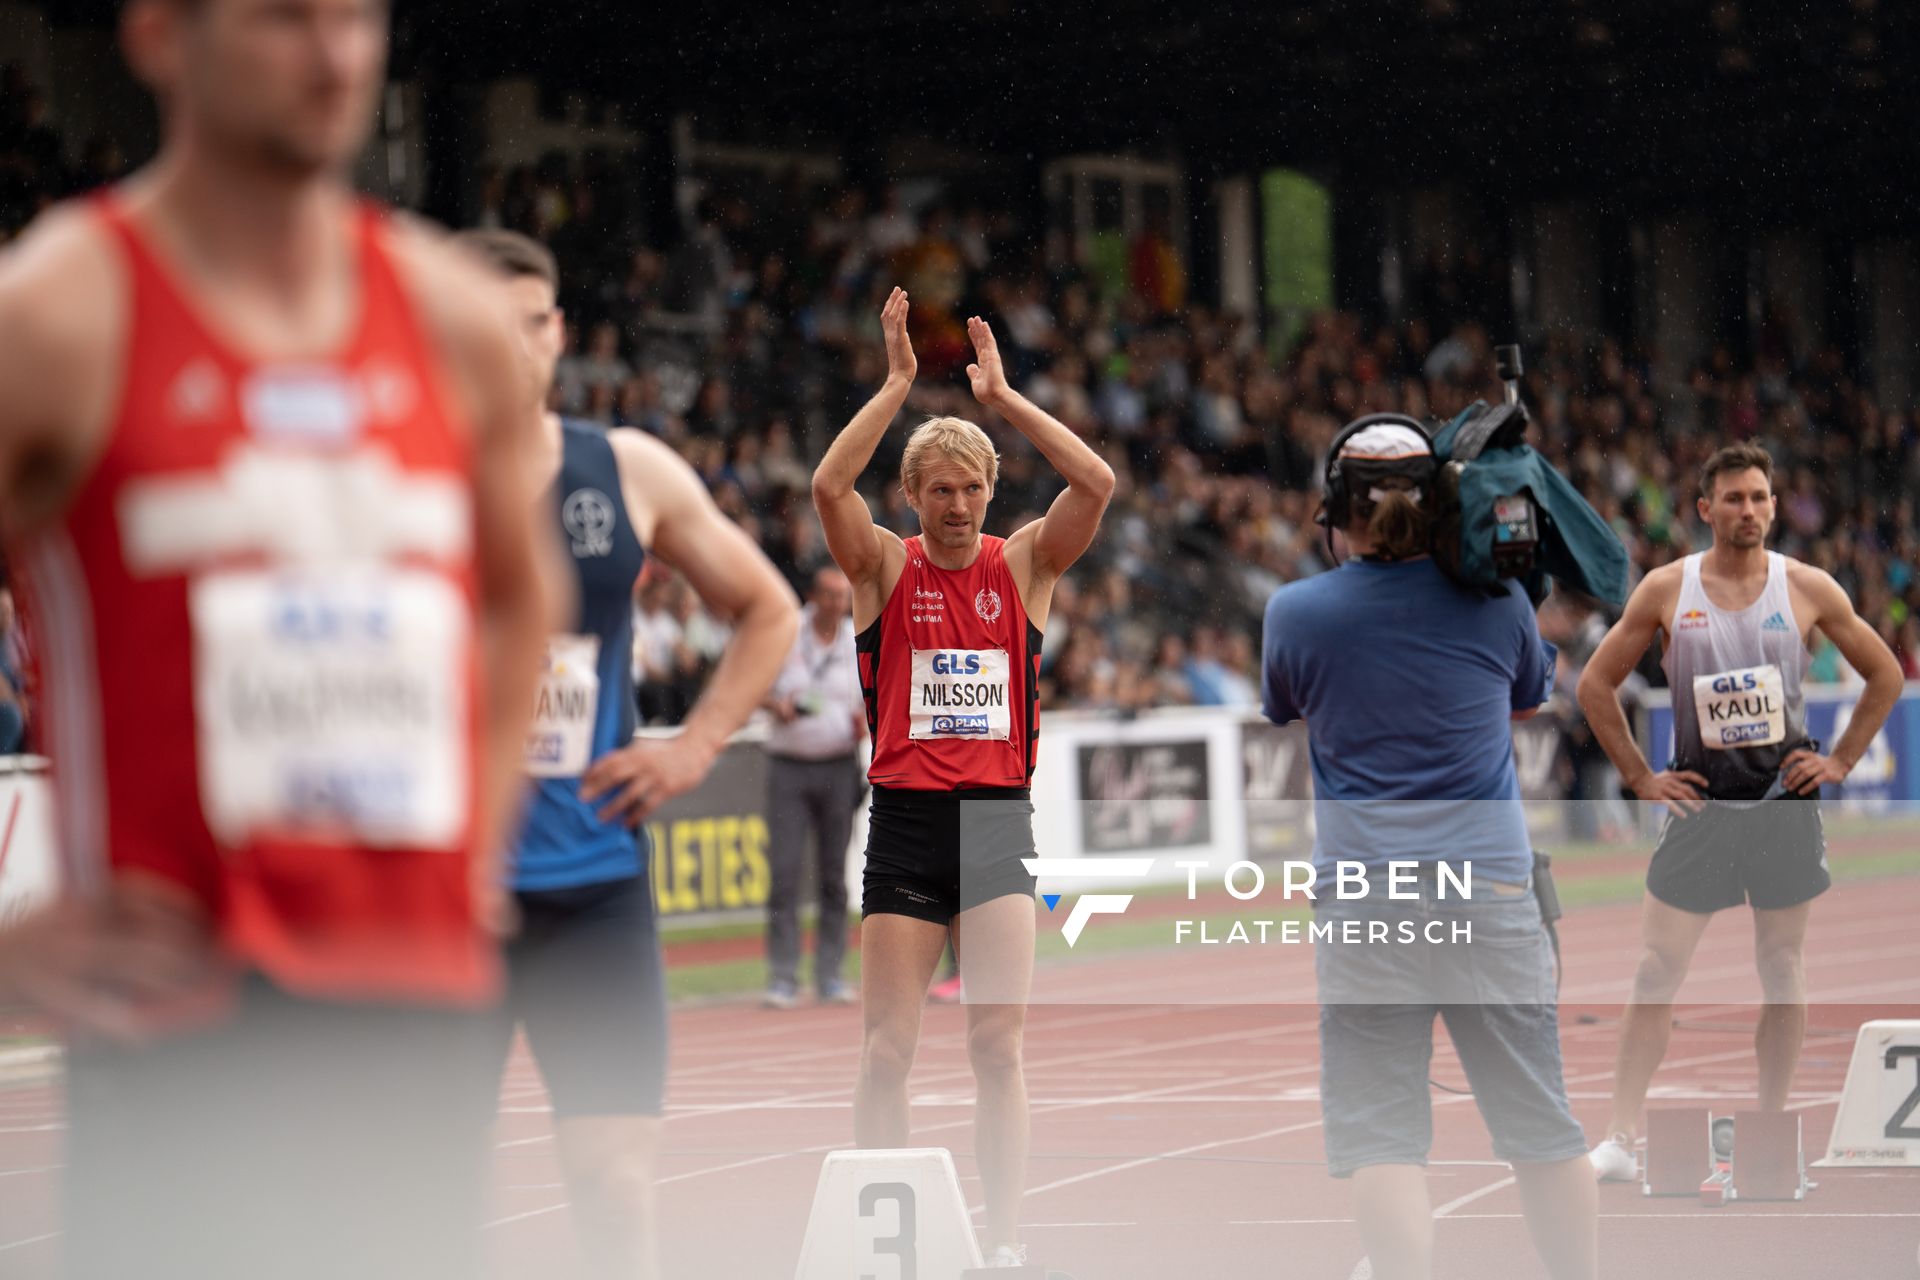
x,y
959,693
1744,708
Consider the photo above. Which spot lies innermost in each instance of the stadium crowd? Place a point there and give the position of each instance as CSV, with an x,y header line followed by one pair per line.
x,y
755,335
750,334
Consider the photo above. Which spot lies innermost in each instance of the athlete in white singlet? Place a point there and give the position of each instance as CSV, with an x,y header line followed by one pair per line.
x,y
1743,789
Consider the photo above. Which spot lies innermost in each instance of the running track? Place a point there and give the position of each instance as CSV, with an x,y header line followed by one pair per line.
x,y
1177,1140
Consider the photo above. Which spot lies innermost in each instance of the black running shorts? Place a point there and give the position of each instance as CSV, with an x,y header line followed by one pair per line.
x,y
1770,853
933,854
586,980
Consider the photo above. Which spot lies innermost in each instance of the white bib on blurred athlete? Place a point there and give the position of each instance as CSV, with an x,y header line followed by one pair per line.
x,y
332,699
560,739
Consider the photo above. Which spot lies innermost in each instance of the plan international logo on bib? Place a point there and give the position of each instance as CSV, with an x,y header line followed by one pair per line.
x,y
544,748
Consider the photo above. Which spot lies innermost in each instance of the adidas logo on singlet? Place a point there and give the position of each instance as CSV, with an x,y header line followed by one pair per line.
x,y
1775,623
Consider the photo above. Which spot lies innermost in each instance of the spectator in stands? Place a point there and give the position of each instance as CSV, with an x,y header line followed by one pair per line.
x,y
703,637
698,271
1154,269
1213,682
600,372
891,229
754,327
665,668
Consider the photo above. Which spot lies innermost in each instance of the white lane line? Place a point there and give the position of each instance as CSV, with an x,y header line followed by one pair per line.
x,y
521,1217
1462,1202
1283,1031
1139,1095
963,1071
21,1244
1197,1147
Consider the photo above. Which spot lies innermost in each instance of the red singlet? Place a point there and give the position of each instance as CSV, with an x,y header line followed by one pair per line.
x,y
949,670
257,624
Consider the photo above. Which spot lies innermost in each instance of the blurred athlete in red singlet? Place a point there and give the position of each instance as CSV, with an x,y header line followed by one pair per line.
x,y
262,465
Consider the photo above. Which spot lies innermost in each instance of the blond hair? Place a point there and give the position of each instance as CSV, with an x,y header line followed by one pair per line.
x,y
954,439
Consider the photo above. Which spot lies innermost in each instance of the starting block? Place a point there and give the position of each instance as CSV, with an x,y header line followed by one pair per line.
x,y
1679,1152
887,1215
1878,1125
1769,1162
1755,1155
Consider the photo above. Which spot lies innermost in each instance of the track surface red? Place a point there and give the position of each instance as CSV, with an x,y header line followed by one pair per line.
x,y
1177,1140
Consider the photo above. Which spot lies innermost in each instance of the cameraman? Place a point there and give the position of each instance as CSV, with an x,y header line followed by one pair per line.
x,y
1407,683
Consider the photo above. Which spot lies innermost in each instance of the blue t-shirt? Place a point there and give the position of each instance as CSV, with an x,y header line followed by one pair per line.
x,y
1408,684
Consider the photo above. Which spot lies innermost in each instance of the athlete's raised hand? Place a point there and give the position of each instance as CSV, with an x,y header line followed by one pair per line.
x,y
1676,788
1805,772
988,377
893,323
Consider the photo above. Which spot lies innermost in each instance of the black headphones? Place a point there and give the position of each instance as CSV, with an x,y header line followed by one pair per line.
x,y
1336,505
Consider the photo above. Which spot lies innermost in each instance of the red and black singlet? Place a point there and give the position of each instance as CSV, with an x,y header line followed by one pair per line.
x,y
258,621
949,670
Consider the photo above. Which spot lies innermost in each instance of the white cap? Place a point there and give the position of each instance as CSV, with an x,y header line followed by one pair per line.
x,y
1386,442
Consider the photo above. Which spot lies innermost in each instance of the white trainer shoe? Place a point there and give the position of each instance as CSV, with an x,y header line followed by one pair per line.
x,y
1008,1255
1614,1161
